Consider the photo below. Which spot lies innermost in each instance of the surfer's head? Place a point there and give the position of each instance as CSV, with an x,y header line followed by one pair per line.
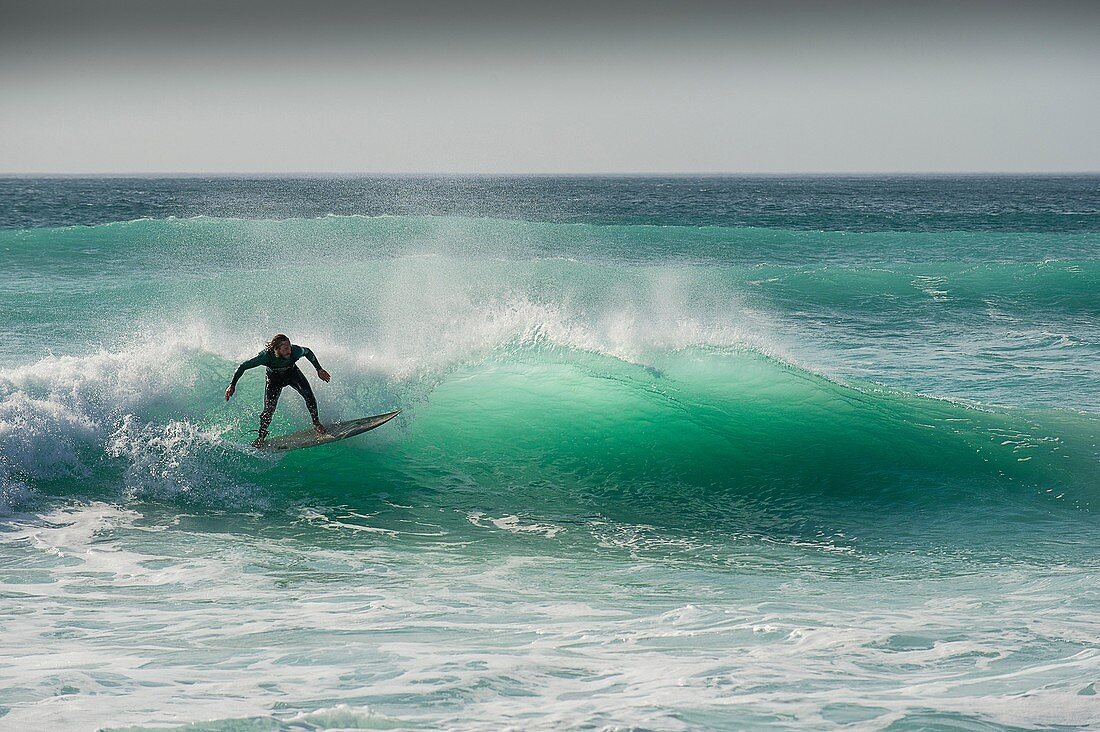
x,y
279,346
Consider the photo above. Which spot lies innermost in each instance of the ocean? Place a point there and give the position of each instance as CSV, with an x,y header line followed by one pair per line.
x,y
676,453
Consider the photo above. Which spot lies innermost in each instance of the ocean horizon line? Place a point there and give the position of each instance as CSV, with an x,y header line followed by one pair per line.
x,y
543,174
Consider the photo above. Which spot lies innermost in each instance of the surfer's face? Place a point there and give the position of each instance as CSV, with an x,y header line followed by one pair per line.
x,y
283,350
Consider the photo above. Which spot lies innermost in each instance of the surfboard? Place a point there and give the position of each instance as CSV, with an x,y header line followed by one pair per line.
x,y
336,432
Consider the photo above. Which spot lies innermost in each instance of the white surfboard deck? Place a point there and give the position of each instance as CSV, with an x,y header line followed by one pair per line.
x,y
336,432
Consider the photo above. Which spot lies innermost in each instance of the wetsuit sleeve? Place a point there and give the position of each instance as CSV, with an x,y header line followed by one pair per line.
x,y
249,364
308,354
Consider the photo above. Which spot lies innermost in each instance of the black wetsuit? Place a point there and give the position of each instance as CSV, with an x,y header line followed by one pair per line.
x,y
282,372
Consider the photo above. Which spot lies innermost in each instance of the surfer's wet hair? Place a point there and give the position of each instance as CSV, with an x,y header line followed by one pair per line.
x,y
274,342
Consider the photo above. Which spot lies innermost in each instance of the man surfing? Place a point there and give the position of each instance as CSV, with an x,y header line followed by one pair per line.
x,y
279,356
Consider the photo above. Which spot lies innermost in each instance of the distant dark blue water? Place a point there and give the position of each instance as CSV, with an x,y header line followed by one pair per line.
x,y
830,203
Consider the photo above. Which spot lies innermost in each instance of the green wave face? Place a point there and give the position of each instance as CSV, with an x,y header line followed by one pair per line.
x,y
732,379
706,439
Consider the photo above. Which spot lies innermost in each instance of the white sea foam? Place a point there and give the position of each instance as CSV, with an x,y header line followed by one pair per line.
x,y
105,401
37,439
140,621
515,525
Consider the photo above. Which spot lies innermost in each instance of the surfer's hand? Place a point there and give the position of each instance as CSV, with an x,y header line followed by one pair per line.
x,y
229,393
324,375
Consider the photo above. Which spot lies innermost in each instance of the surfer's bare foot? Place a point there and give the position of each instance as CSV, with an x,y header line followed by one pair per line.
x,y
258,443
320,429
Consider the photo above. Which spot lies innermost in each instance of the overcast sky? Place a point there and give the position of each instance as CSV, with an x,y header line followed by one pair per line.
x,y
499,87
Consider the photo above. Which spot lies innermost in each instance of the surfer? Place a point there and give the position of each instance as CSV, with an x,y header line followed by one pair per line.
x,y
279,356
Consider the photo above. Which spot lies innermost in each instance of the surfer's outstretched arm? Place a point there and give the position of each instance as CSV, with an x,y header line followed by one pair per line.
x,y
321,373
249,364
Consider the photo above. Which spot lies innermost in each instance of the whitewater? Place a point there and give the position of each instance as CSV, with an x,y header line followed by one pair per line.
x,y
675,453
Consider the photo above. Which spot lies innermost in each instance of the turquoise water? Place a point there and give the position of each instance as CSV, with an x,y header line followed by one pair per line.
x,y
675,454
